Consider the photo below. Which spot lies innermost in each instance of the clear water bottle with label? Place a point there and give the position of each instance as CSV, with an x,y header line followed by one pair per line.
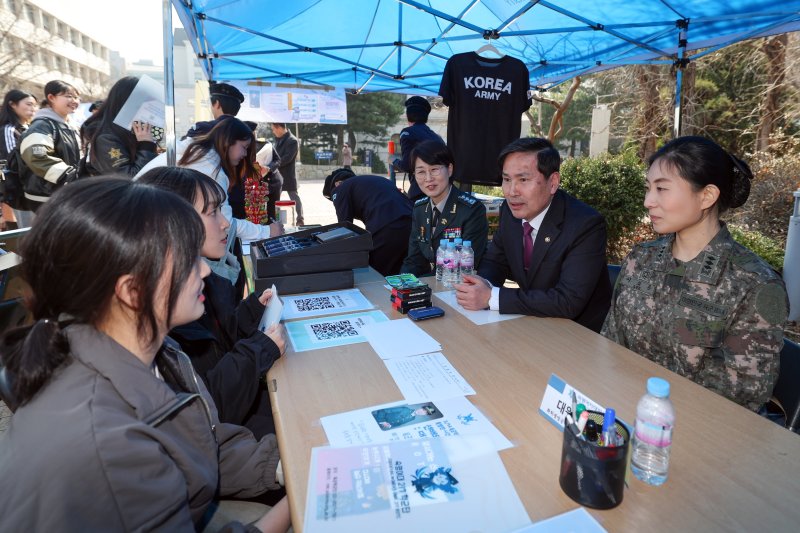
x,y
450,265
440,259
652,436
459,242
467,263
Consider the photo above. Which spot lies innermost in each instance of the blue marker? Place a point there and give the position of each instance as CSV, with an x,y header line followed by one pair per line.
x,y
609,430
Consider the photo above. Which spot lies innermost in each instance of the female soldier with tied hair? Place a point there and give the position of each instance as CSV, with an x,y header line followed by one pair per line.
x,y
695,301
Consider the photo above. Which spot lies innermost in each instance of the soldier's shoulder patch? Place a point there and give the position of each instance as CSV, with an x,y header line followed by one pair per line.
x,y
771,303
39,150
466,198
741,258
421,201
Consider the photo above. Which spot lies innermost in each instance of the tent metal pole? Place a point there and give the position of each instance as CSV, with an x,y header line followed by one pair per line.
x,y
399,38
169,83
681,63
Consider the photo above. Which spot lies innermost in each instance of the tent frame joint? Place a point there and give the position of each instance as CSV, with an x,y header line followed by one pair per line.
x,y
491,34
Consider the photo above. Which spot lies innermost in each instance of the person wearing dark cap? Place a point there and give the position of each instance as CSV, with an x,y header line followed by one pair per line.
x,y
417,111
226,100
384,210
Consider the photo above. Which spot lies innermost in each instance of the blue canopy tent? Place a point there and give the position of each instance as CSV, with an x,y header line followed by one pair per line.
x,y
403,45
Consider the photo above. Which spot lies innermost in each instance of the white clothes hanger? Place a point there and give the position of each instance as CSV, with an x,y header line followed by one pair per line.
x,y
488,47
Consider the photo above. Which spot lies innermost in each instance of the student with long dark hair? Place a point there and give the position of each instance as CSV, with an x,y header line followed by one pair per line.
x,y
111,147
225,345
695,301
50,147
226,154
112,429
15,115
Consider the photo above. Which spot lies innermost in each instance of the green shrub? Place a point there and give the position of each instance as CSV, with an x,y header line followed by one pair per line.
x,y
378,166
768,249
614,185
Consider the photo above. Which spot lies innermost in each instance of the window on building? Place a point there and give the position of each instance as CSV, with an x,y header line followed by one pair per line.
x,y
12,5
47,23
30,13
76,38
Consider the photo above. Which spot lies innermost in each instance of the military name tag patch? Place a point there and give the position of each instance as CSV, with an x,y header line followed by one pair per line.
x,y
705,306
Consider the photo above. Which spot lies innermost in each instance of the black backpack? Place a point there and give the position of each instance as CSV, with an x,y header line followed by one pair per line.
x,y
11,185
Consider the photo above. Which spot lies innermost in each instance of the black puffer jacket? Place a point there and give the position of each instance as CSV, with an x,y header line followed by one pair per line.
x,y
111,154
231,355
51,152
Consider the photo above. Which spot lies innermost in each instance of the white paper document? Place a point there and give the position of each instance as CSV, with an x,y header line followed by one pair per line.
x,y
325,332
324,303
575,521
477,317
427,377
399,338
272,313
447,484
405,421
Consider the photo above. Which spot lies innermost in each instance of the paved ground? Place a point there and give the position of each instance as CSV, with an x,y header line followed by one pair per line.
x,y
5,416
316,208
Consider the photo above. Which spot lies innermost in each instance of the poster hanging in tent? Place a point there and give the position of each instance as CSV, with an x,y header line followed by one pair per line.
x,y
270,102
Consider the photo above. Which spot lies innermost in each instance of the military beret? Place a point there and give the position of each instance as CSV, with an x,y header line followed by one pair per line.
x,y
418,103
224,89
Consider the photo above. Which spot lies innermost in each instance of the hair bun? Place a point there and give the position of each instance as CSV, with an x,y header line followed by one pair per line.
x,y
742,175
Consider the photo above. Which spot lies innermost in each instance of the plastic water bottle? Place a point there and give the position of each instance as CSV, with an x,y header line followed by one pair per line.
x,y
467,260
459,245
450,265
652,436
440,259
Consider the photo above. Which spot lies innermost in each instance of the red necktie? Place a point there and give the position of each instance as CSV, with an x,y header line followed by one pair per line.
x,y
527,244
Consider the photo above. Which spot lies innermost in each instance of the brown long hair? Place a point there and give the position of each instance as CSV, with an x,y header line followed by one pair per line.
x,y
222,136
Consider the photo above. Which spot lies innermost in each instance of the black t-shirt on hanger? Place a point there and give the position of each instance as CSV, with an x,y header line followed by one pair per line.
x,y
486,97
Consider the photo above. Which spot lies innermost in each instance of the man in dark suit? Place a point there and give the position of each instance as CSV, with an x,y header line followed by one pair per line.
x,y
551,244
384,210
286,146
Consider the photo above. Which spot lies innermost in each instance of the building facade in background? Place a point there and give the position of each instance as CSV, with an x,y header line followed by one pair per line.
x,y
36,47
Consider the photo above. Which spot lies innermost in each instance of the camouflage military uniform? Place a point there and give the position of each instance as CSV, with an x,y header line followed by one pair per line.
x,y
463,217
717,319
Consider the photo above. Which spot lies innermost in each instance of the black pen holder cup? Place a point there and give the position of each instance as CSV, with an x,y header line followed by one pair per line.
x,y
594,475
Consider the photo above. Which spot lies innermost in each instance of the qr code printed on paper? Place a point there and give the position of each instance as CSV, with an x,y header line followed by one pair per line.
x,y
314,304
333,330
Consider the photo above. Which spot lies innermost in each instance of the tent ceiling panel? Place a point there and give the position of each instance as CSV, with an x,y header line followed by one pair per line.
x,y
403,45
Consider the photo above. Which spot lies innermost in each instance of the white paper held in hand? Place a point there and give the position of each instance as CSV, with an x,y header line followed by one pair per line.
x,y
272,313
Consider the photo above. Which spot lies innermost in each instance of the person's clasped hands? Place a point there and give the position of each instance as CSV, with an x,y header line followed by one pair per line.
x,y
473,293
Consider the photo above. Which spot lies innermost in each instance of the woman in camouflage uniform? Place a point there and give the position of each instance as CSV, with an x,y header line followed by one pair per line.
x,y
695,301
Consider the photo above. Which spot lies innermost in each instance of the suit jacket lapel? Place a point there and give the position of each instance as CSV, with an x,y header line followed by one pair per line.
x,y
547,234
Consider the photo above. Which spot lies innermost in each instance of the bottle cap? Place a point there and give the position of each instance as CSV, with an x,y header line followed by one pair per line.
x,y
591,431
458,240
467,243
658,387
444,242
